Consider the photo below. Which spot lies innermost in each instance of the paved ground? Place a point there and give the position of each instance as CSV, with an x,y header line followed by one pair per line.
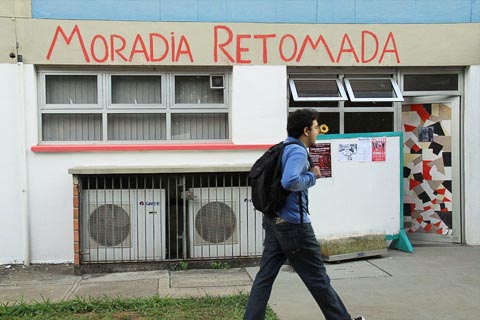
x,y
435,282
432,283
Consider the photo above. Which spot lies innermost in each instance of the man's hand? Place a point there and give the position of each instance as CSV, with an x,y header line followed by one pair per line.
x,y
316,171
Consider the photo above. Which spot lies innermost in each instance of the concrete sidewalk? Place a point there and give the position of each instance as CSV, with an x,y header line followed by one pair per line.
x,y
435,282
430,284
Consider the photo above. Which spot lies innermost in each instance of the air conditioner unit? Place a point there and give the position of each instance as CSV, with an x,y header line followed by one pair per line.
x,y
217,81
223,223
123,225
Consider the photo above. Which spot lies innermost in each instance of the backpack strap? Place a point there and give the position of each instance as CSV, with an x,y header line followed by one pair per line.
x,y
301,206
300,198
310,161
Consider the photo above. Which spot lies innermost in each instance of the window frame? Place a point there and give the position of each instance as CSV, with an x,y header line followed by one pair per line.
x,y
341,90
90,112
64,106
459,72
395,87
342,108
192,106
106,107
121,106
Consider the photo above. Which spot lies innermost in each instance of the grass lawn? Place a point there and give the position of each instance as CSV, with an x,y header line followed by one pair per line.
x,y
231,307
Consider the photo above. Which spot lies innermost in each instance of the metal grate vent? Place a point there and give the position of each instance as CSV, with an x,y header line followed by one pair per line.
x,y
215,222
167,217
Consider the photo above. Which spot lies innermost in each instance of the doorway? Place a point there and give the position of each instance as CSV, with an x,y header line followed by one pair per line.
x,y
431,168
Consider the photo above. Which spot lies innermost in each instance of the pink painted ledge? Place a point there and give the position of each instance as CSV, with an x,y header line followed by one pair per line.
x,y
146,147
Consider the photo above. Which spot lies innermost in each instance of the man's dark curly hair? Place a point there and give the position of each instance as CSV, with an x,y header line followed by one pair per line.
x,y
300,119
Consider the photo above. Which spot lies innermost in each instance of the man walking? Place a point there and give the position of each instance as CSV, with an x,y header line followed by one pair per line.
x,y
290,235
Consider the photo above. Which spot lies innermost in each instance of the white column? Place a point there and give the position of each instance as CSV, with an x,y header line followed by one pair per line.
x,y
471,155
259,104
11,212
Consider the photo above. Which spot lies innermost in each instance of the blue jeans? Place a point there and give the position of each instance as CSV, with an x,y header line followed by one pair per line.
x,y
297,243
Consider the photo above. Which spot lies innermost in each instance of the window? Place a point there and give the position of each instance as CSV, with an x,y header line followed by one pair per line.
x,y
71,90
431,82
332,120
136,90
356,122
317,90
196,91
112,106
372,89
71,127
370,105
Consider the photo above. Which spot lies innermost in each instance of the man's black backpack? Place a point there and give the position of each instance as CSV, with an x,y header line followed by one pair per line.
x,y
268,195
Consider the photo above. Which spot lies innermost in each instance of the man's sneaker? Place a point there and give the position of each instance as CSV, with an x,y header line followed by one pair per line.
x,y
360,318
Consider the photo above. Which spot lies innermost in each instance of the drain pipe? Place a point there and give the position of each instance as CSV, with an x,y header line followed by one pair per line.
x,y
22,148
23,164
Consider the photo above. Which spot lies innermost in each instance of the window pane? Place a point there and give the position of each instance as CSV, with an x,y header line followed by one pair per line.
x,y
312,104
358,122
137,89
71,89
71,127
135,126
331,119
199,126
368,104
430,82
372,88
196,90
316,88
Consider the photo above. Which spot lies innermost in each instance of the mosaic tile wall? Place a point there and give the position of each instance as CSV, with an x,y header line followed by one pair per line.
x,y
427,168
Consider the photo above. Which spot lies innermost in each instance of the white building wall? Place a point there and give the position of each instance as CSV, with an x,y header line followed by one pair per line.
x,y
257,92
471,143
259,104
51,189
11,226
256,95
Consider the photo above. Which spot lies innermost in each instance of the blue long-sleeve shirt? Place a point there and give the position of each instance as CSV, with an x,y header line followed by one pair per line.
x,y
296,176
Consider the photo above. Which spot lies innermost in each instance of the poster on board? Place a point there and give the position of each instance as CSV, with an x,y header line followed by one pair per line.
x,y
379,149
363,150
363,194
322,156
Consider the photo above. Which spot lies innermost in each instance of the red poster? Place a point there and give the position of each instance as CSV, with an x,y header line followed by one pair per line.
x,y
322,156
379,149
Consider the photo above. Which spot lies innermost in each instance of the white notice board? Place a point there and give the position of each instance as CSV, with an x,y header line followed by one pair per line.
x,y
361,196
